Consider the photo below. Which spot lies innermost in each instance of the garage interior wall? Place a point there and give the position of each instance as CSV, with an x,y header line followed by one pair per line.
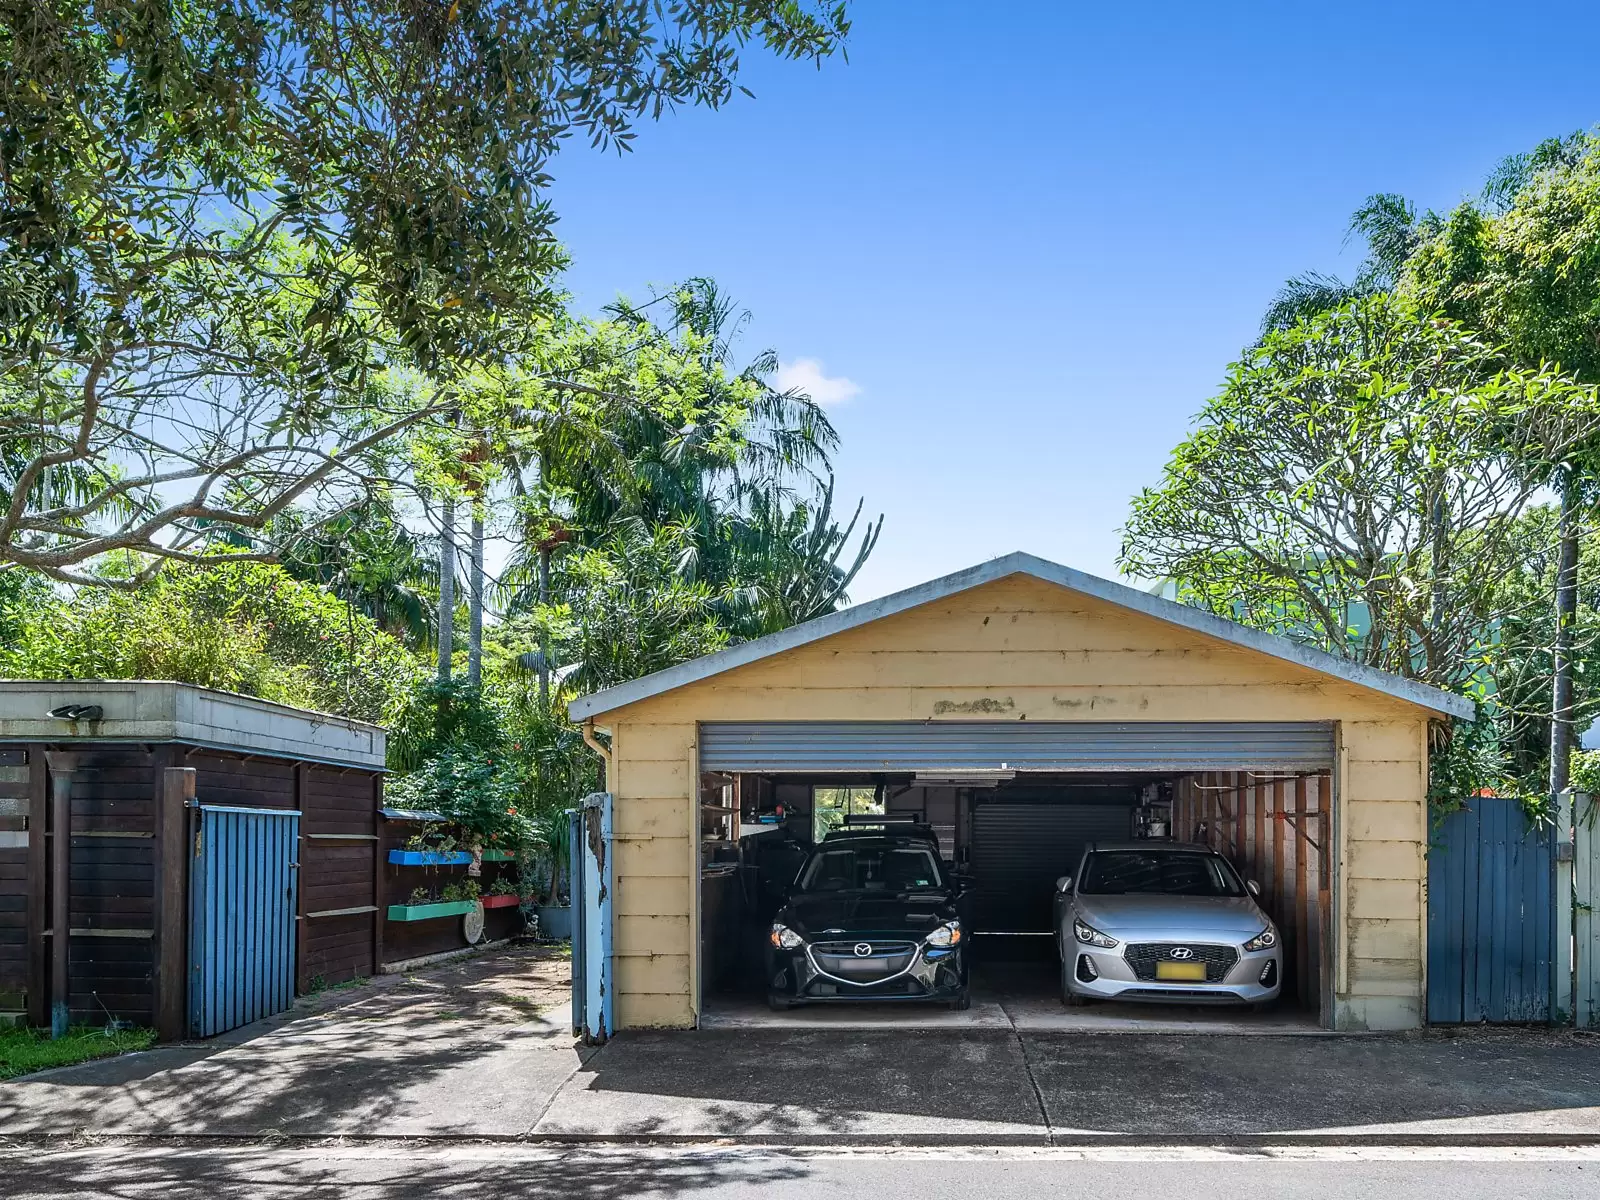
x,y
1013,649
1274,830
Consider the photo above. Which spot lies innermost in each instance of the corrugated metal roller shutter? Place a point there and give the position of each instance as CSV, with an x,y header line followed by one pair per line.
x,y
1019,745
1020,850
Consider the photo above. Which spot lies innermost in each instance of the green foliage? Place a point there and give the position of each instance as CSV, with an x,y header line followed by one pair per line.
x,y
472,788
1586,772
436,718
460,889
1525,267
1467,758
221,221
23,1051
240,626
23,595
1521,661
1357,486
696,499
634,608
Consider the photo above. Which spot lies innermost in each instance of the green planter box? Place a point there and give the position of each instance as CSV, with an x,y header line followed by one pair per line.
x,y
499,856
426,912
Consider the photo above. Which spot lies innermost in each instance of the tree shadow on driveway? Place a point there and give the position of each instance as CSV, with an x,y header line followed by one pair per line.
x,y
809,1085
459,1049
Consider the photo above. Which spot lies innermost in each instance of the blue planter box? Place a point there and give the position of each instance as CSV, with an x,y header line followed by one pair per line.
x,y
429,858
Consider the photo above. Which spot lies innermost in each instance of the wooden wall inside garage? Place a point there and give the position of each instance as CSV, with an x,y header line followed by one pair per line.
x,y
1273,829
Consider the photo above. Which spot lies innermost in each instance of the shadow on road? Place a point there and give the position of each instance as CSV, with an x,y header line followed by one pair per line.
x,y
267,1172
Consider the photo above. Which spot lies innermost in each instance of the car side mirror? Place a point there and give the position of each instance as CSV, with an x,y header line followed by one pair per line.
x,y
1255,888
1064,884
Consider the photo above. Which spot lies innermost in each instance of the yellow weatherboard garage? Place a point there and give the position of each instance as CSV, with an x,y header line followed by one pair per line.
x,y
1023,710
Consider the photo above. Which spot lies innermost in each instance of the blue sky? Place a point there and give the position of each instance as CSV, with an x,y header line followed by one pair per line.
x,y
1024,240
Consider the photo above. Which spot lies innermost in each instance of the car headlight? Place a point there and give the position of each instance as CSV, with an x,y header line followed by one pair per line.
x,y
948,934
1265,940
785,938
1091,936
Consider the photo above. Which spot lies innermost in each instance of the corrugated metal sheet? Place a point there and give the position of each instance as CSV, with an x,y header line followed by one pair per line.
x,y
1020,850
1018,745
242,896
1491,915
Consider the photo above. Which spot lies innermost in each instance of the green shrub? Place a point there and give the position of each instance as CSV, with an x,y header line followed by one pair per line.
x,y
240,626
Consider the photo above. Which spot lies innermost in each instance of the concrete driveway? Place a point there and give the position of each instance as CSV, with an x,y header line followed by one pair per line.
x,y
481,1050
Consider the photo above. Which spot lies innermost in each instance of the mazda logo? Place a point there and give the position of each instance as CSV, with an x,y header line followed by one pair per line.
x,y
863,949
1176,952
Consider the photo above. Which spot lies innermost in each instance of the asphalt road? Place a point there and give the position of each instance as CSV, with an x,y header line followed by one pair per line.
x,y
482,1172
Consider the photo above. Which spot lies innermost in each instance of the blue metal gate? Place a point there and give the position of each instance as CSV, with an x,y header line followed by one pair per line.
x,y
242,897
593,877
1491,915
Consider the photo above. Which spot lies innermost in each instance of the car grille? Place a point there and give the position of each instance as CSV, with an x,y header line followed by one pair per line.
x,y
1143,956
884,959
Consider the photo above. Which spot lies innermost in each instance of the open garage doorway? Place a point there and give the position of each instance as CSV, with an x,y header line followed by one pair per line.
x,y
1009,834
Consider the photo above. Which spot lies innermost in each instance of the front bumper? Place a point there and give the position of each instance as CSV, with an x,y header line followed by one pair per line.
x,y
1109,976
802,975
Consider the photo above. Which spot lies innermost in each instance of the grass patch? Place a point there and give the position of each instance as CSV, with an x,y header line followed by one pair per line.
x,y
23,1051
320,986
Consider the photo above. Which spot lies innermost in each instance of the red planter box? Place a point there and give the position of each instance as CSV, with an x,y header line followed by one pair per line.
x,y
499,901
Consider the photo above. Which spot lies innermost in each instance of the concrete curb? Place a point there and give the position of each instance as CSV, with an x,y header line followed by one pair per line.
x,y
33,1141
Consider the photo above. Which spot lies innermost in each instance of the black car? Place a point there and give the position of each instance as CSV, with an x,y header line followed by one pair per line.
x,y
871,916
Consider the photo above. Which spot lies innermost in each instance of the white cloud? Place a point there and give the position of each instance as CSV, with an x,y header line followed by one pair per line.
x,y
806,374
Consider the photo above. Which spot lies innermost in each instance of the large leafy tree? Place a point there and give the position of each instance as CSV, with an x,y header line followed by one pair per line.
x,y
217,218
654,445
1523,265
1358,485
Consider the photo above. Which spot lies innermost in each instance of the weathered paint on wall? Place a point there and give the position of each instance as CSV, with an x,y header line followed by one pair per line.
x,y
1023,649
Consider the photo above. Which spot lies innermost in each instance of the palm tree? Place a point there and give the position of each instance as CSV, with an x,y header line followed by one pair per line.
x,y
1390,227
370,560
744,510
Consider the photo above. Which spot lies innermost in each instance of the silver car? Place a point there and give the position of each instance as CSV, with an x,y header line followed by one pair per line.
x,y
1164,922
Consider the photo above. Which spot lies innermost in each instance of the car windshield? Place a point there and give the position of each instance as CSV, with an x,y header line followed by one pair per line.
x,y
871,868
1159,873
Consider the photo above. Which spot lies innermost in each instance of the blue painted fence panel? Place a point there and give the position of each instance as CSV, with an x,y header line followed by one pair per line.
x,y
243,892
593,880
1491,915
580,987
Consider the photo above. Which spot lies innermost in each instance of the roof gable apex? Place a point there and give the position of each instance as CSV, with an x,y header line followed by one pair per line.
x,y
1019,563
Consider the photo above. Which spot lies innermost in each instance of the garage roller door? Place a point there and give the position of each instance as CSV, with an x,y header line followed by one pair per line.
x,y
1016,745
1020,850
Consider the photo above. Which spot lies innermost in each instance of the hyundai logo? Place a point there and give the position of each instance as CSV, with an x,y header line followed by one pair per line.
x,y
863,949
1175,952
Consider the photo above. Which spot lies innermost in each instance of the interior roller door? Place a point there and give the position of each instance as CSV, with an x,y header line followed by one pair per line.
x,y
1019,850
868,746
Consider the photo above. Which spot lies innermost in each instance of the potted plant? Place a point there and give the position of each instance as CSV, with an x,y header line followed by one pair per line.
x,y
555,910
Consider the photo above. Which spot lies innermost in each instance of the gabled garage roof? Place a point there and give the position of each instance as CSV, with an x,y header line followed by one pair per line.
x,y
1021,564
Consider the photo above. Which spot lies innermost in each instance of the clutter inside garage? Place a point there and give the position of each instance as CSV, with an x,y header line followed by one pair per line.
x,y
1008,836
